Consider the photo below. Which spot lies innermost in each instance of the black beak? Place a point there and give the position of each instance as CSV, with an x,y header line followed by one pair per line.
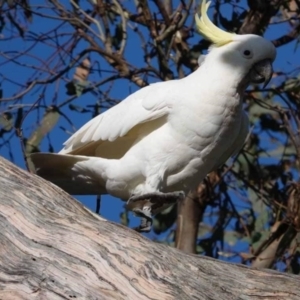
x,y
262,72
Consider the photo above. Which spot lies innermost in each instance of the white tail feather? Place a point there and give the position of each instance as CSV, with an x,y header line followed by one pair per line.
x,y
61,170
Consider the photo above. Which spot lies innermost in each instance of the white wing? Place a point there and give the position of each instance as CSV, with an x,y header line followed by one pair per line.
x,y
113,132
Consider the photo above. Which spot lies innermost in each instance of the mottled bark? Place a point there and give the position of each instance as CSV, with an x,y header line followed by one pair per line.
x,y
187,228
190,213
54,248
259,15
282,233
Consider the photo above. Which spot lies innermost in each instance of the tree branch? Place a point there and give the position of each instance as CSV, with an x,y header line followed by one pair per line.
x,y
54,248
190,214
259,15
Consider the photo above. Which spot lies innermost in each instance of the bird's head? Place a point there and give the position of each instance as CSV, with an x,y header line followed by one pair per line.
x,y
251,54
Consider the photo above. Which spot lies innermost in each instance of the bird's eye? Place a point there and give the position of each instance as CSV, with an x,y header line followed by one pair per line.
x,y
247,53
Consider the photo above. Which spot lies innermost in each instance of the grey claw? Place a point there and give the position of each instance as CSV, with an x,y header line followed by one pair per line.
x,y
147,205
146,219
145,212
143,229
181,195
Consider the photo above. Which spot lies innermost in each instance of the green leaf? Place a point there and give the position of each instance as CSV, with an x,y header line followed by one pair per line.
x,y
203,230
76,87
6,121
49,120
230,237
259,238
255,237
124,220
71,89
226,254
78,108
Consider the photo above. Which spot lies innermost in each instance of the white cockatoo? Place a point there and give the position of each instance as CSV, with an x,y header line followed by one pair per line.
x,y
161,141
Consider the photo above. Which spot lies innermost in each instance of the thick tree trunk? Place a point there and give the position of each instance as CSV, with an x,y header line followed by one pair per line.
x,y
54,248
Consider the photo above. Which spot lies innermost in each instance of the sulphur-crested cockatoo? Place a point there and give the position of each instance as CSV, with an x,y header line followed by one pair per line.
x,y
161,141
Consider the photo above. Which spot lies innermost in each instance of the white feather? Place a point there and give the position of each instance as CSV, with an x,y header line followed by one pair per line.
x,y
165,137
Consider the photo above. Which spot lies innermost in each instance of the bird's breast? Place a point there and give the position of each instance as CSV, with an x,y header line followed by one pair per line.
x,y
203,135
204,124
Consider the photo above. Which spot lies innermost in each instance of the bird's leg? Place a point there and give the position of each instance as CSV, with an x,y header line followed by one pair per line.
x,y
147,205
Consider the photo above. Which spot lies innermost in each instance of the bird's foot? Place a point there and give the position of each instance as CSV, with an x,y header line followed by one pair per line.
x,y
146,219
147,205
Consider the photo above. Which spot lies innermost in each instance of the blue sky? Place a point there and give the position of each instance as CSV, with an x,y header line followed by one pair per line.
x,y
286,60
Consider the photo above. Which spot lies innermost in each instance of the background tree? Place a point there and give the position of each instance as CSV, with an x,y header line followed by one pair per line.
x,y
64,62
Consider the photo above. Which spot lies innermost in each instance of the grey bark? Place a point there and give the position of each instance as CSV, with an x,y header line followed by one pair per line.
x,y
52,247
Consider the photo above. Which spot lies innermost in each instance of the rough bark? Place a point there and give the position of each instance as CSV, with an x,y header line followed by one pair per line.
x,y
54,248
187,228
259,15
190,213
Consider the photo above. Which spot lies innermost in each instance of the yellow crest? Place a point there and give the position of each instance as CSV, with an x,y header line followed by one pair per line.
x,y
210,31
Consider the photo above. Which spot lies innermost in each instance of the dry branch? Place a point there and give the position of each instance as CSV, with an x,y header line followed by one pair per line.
x,y
54,248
